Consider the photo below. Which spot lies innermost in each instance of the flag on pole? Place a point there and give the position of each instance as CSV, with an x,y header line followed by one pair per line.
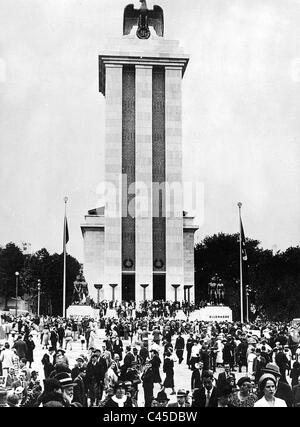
x,y
66,231
244,252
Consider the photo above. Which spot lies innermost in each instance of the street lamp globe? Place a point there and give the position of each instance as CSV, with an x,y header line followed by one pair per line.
x,y
17,273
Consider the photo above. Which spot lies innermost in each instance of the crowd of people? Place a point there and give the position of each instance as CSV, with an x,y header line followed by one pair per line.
x,y
136,360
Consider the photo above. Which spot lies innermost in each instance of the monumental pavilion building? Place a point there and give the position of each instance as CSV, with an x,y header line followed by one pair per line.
x,y
140,245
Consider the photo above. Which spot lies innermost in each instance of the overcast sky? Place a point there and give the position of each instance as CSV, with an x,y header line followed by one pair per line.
x,y
241,124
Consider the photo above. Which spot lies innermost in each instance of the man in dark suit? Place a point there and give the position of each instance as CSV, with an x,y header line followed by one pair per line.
x,y
196,381
181,400
179,347
223,379
95,372
21,347
129,358
189,345
259,363
206,396
228,352
282,362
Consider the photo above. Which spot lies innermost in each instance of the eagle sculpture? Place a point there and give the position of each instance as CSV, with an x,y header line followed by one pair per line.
x,y
143,18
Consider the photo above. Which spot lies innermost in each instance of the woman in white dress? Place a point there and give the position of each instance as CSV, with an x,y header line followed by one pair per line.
x,y
267,385
220,346
250,360
111,378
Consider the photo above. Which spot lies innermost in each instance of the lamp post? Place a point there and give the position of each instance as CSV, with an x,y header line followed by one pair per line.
x,y
17,284
144,290
175,288
98,287
113,286
247,302
39,297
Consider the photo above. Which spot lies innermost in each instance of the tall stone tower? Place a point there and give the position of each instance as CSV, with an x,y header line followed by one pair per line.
x,y
141,243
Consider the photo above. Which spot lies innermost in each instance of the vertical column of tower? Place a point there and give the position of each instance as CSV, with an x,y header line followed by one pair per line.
x,y
113,175
143,178
174,220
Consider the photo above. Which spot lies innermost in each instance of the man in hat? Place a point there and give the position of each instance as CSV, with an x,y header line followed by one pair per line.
x,y
162,399
207,395
259,363
283,391
196,380
189,345
181,400
77,368
67,386
179,347
148,384
95,372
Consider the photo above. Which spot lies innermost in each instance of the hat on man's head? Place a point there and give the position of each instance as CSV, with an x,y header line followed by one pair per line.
x,y
64,379
79,359
272,368
161,396
181,393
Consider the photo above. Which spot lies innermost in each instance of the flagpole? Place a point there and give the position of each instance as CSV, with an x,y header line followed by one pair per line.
x,y
65,260
241,265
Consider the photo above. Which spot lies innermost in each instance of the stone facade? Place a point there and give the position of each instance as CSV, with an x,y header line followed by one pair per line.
x,y
138,240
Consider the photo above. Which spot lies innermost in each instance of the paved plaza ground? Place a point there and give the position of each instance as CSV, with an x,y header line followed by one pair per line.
x,y
182,374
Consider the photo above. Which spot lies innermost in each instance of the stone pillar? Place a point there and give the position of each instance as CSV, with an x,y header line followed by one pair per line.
x,y
93,257
189,269
143,177
174,197
113,178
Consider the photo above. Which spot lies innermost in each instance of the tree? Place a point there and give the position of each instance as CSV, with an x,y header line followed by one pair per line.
x,y
35,269
53,282
38,266
273,280
219,254
11,261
